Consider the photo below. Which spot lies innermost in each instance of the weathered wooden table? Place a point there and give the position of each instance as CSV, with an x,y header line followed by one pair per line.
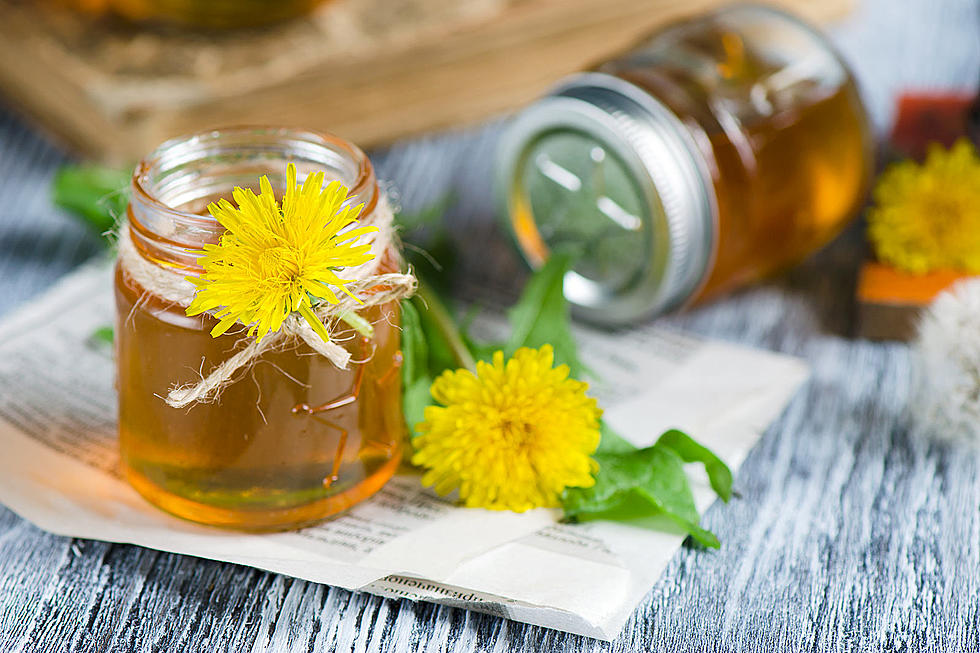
x,y
848,534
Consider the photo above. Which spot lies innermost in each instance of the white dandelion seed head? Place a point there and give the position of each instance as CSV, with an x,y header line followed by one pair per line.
x,y
946,399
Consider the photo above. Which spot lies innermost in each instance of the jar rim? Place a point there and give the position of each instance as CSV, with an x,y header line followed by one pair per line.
x,y
165,231
672,184
365,172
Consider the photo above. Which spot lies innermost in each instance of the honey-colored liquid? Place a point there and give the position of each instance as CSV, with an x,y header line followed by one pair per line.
x,y
789,159
805,178
292,440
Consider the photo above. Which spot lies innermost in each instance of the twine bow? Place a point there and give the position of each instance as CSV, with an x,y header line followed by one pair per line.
x,y
373,289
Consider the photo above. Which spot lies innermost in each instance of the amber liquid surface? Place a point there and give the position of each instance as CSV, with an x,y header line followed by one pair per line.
x,y
293,440
789,165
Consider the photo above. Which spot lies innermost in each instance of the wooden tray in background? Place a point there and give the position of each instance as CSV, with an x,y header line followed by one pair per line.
x,y
369,70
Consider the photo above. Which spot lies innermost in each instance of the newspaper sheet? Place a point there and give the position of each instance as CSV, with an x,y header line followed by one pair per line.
x,y
58,469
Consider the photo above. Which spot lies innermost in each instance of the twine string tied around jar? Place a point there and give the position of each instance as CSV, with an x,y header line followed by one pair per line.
x,y
372,288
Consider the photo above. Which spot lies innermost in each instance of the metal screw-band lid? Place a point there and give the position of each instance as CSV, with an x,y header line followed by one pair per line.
x,y
601,166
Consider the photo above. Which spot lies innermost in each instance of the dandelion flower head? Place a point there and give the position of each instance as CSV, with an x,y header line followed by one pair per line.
x,y
512,436
275,259
927,216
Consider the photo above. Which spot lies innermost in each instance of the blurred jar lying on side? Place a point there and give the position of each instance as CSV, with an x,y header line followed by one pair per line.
x,y
715,152
209,14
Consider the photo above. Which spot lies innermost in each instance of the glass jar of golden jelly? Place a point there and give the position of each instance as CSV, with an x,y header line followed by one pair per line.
x,y
715,152
259,457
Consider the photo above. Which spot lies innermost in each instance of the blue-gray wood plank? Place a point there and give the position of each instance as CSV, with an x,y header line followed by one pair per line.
x,y
849,533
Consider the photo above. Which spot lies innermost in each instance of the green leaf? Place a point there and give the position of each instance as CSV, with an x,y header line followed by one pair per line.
x,y
104,334
637,484
691,451
431,343
416,397
542,316
416,380
96,193
447,349
415,350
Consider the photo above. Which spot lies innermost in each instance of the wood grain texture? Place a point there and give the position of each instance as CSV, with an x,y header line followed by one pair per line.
x,y
849,532
446,63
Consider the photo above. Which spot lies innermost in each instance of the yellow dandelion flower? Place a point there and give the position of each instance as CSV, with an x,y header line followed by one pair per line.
x,y
927,217
273,260
512,436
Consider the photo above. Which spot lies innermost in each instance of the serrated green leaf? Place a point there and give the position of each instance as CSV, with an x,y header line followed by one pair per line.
x,y
639,483
691,451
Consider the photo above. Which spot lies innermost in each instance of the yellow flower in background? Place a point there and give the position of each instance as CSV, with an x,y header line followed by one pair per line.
x,y
272,260
927,217
512,436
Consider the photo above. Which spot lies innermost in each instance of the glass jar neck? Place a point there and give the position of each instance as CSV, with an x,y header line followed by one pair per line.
x,y
172,187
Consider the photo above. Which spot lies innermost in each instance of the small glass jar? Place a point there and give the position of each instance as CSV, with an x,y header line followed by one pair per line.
x,y
715,152
292,439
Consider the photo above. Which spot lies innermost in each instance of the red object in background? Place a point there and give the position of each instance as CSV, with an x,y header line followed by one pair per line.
x,y
925,118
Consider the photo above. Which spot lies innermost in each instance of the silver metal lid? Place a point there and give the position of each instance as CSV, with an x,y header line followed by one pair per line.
x,y
601,165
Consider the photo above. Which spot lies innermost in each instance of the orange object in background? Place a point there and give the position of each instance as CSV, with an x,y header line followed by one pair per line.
x,y
883,284
210,14
890,301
